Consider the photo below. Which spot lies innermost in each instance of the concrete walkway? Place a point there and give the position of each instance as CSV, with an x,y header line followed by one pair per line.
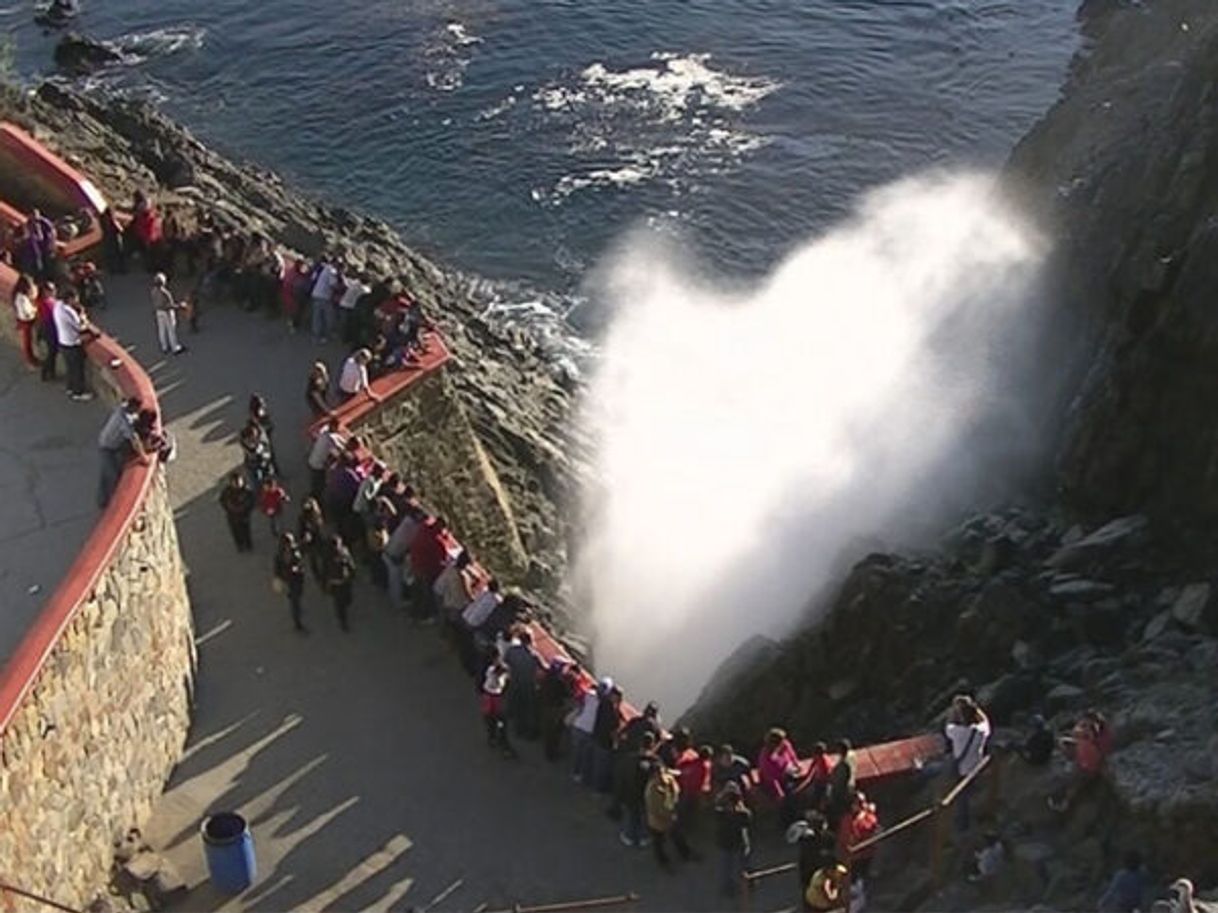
x,y
360,758
48,489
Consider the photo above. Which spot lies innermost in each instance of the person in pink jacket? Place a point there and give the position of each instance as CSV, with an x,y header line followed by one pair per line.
x,y
777,763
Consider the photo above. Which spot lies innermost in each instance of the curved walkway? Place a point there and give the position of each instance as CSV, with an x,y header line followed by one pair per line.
x,y
49,501
359,759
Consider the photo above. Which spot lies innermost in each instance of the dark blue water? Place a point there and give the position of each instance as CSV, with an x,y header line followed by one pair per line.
x,y
518,138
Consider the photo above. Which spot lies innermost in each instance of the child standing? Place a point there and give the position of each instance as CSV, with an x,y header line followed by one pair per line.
x,y
272,498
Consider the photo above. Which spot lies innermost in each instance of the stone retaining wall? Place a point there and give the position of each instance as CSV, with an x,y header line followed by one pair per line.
x,y
92,744
424,433
95,701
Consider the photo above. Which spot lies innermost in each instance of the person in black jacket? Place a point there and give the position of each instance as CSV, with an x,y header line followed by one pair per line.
x,y
238,502
340,575
604,735
289,571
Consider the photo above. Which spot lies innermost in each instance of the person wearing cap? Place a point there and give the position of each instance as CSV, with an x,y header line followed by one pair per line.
x,y
166,310
604,737
733,838
494,687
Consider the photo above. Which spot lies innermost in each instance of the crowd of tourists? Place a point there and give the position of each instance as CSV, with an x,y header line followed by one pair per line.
x,y
664,789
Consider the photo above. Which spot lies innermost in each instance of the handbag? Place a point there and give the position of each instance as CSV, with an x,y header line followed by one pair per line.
x,y
278,586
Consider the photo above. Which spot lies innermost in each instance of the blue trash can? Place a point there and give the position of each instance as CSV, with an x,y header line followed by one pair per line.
x,y
228,846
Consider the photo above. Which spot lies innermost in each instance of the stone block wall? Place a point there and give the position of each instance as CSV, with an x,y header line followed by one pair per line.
x,y
91,745
423,433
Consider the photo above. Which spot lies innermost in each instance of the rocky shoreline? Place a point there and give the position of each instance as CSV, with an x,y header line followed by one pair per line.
x,y
517,399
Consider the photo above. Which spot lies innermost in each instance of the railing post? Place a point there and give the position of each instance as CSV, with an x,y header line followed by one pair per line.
x,y
746,885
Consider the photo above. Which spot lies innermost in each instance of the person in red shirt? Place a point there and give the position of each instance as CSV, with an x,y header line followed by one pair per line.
x,y
693,768
272,498
428,555
1088,745
857,825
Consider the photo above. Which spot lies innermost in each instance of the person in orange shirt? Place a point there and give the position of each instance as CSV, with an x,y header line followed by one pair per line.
x,y
859,824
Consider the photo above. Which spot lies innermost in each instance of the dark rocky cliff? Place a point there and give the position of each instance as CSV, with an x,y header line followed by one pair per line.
x,y
1126,169
1101,595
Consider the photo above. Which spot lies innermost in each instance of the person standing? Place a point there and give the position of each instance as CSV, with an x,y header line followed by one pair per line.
x,y
272,498
660,799
328,445
71,328
166,310
968,734
289,571
238,503
353,379
325,284
41,234
118,439
355,288
311,536
340,576
317,390
45,307
733,826
494,685
260,415
26,314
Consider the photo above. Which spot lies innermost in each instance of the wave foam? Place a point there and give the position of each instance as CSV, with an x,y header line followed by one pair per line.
x,y
671,121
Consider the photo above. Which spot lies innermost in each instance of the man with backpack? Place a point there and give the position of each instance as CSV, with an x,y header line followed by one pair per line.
x,y
660,799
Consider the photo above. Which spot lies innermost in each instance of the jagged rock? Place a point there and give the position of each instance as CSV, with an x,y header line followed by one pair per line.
x,y
1064,697
1107,537
1189,607
1157,625
77,54
1081,589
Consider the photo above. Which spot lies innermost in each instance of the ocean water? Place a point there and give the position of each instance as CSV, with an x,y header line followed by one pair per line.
x,y
519,138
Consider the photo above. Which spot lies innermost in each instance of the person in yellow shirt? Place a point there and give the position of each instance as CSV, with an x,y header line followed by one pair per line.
x,y
660,802
826,890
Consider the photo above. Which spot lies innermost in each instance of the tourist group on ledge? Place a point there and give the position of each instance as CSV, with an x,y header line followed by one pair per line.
x,y
663,788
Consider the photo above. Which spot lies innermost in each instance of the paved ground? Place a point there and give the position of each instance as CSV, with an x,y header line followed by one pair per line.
x,y
359,758
48,489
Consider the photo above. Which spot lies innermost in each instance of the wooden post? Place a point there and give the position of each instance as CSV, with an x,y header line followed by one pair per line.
x,y
746,885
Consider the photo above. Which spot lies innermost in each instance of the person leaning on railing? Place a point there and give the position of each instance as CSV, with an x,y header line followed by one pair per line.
x,y
117,441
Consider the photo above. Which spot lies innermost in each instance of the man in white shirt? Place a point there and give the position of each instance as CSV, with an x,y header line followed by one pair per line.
x,y
480,609
968,734
324,286
354,377
356,288
326,446
71,325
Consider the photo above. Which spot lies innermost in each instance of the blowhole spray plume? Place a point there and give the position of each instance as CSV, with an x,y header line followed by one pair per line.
x,y
747,441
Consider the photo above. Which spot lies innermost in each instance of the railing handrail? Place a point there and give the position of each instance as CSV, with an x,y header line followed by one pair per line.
x,y
964,783
932,811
